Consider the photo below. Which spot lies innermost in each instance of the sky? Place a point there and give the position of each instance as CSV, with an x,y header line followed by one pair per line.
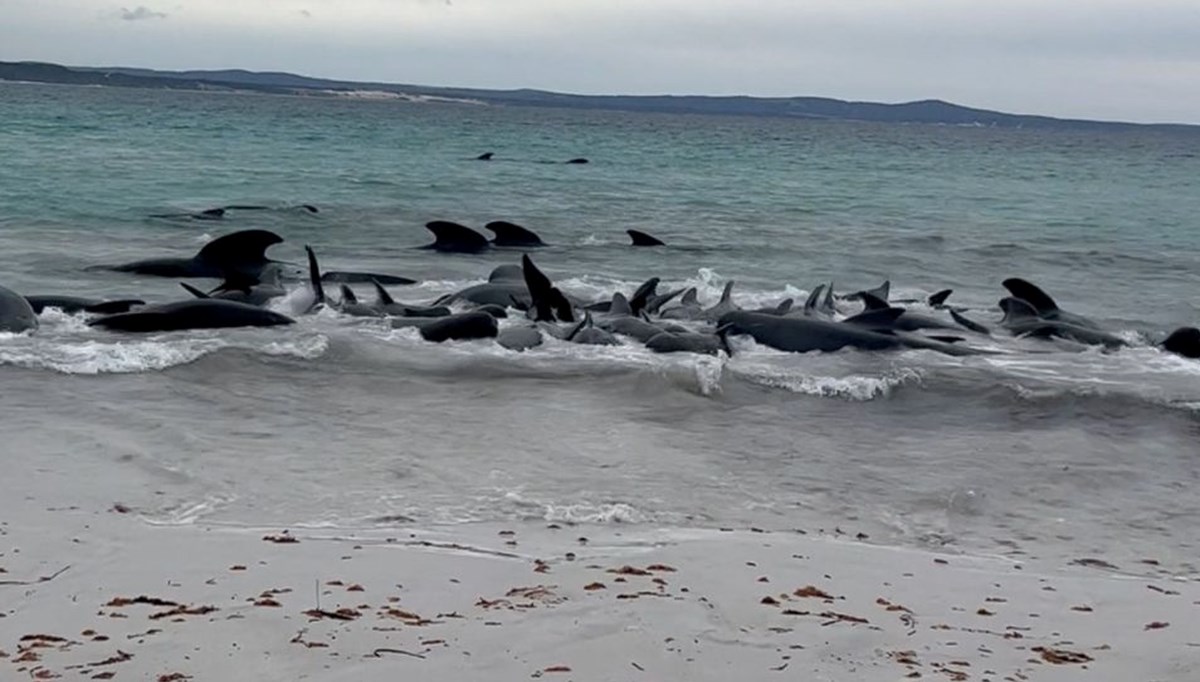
x,y
1097,59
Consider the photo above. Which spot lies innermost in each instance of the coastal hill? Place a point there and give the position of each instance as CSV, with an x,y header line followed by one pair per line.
x,y
813,108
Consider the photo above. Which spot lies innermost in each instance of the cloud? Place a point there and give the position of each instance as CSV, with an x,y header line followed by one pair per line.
x,y
140,13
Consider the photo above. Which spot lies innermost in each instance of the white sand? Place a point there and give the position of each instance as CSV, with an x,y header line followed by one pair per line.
x,y
471,603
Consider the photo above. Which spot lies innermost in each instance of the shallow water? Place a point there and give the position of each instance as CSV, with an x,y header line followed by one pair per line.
x,y
1054,453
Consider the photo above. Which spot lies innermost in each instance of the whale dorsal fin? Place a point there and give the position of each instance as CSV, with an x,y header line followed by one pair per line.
x,y
828,305
348,295
1031,294
314,277
940,297
382,297
727,292
873,302
785,306
882,319
448,236
247,247
620,306
689,297
511,234
639,238
1017,309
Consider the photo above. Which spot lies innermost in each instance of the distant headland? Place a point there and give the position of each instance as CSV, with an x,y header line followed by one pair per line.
x,y
935,112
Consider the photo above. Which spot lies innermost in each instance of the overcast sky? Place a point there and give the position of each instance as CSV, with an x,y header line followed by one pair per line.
x,y
1107,59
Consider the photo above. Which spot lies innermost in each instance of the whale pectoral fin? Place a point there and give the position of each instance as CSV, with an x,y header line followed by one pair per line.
x,y
1031,294
969,324
449,236
939,298
193,290
231,251
810,304
873,302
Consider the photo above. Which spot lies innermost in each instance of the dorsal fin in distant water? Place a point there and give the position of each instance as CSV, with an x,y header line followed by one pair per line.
x,y
873,302
382,296
454,238
878,319
642,239
511,234
348,295
1022,289
969,323
939,298
193,290
1016,309
314,277
810,303
620,305
210,214
641,296
486,156
689,297
244,251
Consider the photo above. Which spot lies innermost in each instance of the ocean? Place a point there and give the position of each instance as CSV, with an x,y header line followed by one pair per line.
x,y
1056,453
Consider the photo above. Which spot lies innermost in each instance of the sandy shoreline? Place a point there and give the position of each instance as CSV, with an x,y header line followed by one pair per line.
x,y
99,594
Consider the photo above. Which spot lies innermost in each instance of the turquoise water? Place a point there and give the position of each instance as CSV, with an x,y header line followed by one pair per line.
x,y
342,422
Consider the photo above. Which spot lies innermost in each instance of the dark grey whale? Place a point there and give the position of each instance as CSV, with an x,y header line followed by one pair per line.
x,y
804,334
343,277
549,304
16,315
241,253
458,327
72,305
197,313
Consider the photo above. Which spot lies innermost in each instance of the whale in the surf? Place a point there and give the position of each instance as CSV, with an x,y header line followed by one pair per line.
x,y
456,327
1044,306
1184,341
511,234
450,237
1023,319
486,156
805,334
586,333
639,238
238,253
73,305
520,338
908,320
197,313
16,315
688,342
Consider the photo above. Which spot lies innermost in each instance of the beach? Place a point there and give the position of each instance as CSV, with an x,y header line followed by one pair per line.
x,y
337,499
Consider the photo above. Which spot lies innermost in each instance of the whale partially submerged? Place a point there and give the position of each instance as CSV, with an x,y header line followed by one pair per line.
x,y
240,253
